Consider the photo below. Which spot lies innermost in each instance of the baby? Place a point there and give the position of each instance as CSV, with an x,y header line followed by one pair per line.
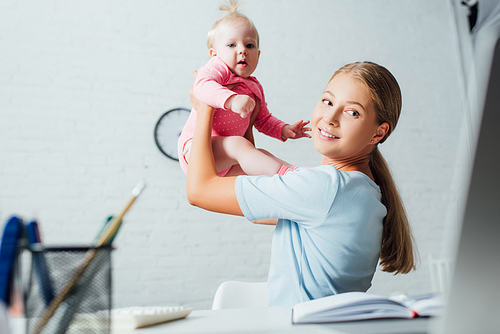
x,y
233,43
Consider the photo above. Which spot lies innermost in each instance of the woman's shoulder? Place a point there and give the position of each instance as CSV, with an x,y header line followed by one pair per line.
x,y
311,171
321,176
343,178
323,170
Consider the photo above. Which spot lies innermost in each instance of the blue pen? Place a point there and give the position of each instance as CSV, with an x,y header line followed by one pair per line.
x,y
33,233
41,267
8,251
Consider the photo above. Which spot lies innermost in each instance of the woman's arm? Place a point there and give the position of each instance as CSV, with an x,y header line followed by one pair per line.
x,y
205,188
268,221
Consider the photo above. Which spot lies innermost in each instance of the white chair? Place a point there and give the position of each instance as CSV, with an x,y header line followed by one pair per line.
x,y
235,294
441,270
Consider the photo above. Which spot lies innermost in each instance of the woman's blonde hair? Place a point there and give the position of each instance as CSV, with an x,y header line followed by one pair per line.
x,y
397,253
231,17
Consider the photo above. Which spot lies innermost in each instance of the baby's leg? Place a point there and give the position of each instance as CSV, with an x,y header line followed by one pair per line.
x,y
222,162
284,163
234,150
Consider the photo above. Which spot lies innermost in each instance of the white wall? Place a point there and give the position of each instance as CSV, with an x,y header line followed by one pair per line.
x,y
82,85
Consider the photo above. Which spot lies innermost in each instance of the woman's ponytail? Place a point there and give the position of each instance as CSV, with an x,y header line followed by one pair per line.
x,y
396,254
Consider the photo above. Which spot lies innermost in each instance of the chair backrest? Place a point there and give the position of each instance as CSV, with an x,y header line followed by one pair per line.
x,y
235,294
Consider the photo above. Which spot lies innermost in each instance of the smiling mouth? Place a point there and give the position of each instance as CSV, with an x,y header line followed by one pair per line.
x,y
326,134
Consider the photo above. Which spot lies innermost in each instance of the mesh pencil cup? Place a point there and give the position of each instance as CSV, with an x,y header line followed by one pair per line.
x,y
86,308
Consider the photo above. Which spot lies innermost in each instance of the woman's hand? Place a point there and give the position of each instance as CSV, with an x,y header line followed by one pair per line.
x,y
197,104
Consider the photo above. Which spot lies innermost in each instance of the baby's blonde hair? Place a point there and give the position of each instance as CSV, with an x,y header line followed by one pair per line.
x,y
232,16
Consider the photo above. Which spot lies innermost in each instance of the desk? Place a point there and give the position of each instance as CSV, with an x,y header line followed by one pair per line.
x,y
274,320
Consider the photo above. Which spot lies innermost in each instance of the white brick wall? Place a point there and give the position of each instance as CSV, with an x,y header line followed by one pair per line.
x,y
82,85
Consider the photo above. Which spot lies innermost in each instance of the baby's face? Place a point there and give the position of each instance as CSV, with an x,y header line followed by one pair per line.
x,y
237,47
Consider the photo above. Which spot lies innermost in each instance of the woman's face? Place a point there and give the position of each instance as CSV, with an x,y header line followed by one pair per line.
x,y
343,122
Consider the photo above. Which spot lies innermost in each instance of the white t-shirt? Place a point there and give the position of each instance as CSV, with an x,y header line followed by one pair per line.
x,y
329,232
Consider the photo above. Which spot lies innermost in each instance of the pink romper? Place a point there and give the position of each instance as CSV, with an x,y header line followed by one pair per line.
x,y
209,88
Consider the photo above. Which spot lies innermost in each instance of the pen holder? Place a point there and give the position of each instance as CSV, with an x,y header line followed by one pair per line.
x,y
86,309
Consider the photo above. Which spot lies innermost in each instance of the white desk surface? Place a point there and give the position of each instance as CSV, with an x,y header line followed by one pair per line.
x,y
264,320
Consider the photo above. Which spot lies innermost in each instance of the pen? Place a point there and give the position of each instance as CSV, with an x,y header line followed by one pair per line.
x,y
103,228
33,233
8,252
41,267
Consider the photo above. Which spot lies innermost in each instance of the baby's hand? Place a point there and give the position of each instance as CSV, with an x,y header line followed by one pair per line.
x,y
295,131
240,104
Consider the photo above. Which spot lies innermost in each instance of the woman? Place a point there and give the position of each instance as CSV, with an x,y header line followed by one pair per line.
x,y
335,221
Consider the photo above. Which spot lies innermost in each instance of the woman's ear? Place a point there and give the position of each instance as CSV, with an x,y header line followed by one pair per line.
x,y
212,52
382,130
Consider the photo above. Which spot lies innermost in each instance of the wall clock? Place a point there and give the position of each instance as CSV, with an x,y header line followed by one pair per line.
x,y
168,130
